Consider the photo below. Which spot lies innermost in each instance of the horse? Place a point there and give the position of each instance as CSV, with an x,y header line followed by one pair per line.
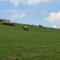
x,y
25,28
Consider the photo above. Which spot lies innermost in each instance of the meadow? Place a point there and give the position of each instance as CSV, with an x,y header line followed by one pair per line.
x,y
36,44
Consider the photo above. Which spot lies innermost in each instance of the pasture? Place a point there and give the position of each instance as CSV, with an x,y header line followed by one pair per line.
x,y
36,44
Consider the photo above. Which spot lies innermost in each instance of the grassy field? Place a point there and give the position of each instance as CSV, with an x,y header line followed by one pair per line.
x,y
36,44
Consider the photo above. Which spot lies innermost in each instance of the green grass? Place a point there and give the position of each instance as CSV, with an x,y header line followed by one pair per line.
x,y
36,44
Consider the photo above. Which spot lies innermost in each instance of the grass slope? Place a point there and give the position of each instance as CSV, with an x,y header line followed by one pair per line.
x,y
36,44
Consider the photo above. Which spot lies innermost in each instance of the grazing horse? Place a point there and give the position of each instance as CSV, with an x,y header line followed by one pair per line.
x,y
25,28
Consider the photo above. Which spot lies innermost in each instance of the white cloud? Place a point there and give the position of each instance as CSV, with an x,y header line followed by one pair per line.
x,y
29,2
54,26
54,18
17,16
15,2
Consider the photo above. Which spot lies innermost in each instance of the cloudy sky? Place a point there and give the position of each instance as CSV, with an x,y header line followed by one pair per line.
x,y
44,12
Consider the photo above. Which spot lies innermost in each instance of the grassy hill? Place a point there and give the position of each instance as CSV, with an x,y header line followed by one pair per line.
x,y
36,44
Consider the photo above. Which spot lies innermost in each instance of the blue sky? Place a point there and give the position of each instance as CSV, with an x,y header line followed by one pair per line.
x,y
44,12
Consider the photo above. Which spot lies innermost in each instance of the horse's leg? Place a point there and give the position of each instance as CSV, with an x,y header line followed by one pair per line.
x,y
23,28
27,29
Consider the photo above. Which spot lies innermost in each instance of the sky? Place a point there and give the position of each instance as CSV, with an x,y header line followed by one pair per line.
x,y
43,12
